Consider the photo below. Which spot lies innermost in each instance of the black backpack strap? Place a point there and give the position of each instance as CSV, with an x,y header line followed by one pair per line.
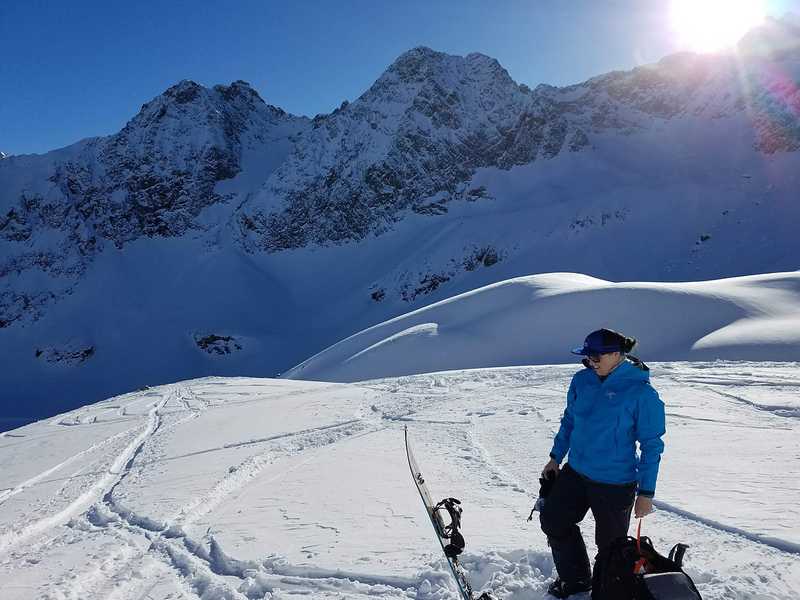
x,y
676,554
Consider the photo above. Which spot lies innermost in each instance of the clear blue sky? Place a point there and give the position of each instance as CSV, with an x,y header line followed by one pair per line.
x,y
74,69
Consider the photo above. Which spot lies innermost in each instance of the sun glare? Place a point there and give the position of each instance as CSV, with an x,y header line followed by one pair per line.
x,y
711,25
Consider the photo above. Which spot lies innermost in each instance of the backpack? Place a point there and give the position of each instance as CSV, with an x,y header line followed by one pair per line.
x,y
615,574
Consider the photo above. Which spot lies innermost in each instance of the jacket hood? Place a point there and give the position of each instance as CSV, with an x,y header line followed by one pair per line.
x,y
631,369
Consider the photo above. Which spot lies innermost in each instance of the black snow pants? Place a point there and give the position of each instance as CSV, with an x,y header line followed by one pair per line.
x,y
566,506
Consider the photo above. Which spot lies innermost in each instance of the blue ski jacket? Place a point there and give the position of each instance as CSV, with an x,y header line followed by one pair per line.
x,y
603,421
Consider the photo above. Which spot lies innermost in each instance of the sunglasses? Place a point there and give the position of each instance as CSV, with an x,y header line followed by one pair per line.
x,y
596,358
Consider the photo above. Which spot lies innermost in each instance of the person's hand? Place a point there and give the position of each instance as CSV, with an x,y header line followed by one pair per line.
x,y
643,506
551,466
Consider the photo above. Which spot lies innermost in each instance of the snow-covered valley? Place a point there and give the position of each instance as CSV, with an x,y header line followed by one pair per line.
x,y
216,234
261,488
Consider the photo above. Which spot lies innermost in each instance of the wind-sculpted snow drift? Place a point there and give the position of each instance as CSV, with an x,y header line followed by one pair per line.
x,y
255,489
537,319
216,233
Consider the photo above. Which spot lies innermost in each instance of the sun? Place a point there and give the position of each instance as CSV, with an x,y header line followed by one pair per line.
x,y
711,25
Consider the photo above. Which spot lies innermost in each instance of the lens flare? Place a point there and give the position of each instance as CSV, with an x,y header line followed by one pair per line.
x,y
711,25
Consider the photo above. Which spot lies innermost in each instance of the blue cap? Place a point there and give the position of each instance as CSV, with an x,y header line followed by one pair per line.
x,y
601,341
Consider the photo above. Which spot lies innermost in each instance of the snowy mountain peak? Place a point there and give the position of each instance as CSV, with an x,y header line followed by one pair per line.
x,y
773,38
183,98
422,67
482,63
425,61
3,155
417,136
151,179
238,90
417,64
393,149
184,91
201,106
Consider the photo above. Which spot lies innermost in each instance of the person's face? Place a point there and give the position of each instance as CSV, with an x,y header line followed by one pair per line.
x,y
603,363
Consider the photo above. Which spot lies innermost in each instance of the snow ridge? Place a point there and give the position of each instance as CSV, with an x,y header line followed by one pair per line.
x,y
744,318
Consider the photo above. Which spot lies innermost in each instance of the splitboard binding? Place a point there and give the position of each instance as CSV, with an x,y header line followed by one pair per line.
x,y
449,536
451,532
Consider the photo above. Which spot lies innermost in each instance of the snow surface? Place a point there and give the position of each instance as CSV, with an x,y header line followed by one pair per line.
x,y
259,488
537,319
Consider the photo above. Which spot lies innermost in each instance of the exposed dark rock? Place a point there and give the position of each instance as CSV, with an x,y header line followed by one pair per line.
x,y
601,219
17,305
184,92
217,344
486,256
704,238
477,193
69,355
14,226
578,141
426,285
432,208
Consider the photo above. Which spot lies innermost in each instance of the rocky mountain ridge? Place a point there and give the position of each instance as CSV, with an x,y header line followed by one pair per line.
x,y
151,179
410,142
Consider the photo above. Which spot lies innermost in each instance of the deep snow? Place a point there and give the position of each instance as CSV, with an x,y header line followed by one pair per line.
x,y
537,319
259,488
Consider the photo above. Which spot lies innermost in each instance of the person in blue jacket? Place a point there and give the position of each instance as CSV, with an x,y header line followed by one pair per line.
x,y
611,407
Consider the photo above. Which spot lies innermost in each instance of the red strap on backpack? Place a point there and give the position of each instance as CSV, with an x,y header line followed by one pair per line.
x,y
640,566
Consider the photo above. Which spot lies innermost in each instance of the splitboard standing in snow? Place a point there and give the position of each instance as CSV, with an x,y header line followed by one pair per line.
x,y
449,536
610,407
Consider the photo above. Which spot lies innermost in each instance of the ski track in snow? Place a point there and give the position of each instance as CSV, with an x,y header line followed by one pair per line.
x,y
8,540
250,469
205,572
778,544
780,410
7,493
160,557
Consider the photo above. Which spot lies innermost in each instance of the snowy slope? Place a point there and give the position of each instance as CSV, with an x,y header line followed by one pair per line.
x,y
537,319
254,488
